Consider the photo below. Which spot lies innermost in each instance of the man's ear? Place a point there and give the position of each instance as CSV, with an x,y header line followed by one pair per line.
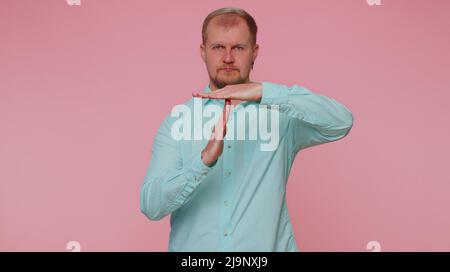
x,y
203,52
255,52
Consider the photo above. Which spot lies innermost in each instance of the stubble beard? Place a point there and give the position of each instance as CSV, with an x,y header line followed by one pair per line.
x,y
222,83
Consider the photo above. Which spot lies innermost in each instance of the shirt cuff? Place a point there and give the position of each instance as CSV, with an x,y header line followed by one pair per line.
x,y
198,169
194,175
274,94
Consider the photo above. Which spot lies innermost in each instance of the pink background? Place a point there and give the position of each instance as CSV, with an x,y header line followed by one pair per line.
x,y
83,90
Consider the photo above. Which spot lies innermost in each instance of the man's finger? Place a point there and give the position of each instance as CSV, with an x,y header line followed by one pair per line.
x,y
225,114
215,95
202,95
220,129
227,109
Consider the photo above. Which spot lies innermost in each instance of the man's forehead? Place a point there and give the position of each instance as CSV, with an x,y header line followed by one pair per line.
x,y
229,39
237,36
228,30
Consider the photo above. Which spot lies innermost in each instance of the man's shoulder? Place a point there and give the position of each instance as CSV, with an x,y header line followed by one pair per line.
x,y
180,110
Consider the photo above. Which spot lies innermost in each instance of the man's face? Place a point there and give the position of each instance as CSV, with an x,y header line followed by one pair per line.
x,y
228,53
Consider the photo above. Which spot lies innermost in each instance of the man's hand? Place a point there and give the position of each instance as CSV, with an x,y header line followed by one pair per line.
x,y
246,91
214,148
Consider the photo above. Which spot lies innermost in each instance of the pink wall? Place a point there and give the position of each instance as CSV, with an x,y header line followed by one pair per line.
x,y
84,88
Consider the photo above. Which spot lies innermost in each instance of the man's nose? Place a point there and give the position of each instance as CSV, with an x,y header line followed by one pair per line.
x,y
228,57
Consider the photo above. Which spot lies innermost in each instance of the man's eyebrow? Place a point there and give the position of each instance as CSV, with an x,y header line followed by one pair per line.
x,y
214,44
239,44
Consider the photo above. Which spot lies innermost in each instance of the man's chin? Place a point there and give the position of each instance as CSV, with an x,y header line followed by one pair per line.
x,y
222,83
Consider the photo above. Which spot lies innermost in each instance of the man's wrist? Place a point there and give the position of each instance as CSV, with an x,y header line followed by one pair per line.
x,y
206,160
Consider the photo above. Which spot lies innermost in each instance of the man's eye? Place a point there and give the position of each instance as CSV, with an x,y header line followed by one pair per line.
x,y
217,47
239,48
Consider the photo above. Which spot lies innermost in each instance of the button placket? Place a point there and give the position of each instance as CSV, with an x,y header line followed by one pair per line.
x,y
227,188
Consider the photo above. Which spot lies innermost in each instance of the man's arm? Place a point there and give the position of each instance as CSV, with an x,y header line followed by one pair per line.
x,y
316,119
169,183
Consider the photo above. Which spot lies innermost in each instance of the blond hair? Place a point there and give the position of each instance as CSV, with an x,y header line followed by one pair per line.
x,y
229,20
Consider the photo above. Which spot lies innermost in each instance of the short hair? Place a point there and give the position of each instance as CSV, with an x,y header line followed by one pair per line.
x,y
229,20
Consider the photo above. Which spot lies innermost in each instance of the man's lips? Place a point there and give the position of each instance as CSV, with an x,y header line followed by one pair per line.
x,y
228,69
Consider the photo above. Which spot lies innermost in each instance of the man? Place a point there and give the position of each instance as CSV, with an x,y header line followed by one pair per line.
x,y
227,194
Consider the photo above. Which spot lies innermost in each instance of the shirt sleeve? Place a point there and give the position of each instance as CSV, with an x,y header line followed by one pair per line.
x,y
169,182
313,118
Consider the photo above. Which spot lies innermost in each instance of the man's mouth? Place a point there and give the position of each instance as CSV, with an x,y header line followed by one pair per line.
x,y
228,70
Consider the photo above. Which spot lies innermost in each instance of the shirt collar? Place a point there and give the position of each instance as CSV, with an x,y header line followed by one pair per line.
x,y
208,100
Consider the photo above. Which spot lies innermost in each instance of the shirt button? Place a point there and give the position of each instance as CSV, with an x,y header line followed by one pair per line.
x,y
229,146
225,234
225,203
197,179
227,173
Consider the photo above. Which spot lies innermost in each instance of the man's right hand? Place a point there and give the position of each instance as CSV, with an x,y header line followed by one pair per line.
x,y
214,148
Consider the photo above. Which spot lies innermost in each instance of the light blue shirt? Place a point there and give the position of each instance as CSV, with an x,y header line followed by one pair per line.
x,y
239,203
